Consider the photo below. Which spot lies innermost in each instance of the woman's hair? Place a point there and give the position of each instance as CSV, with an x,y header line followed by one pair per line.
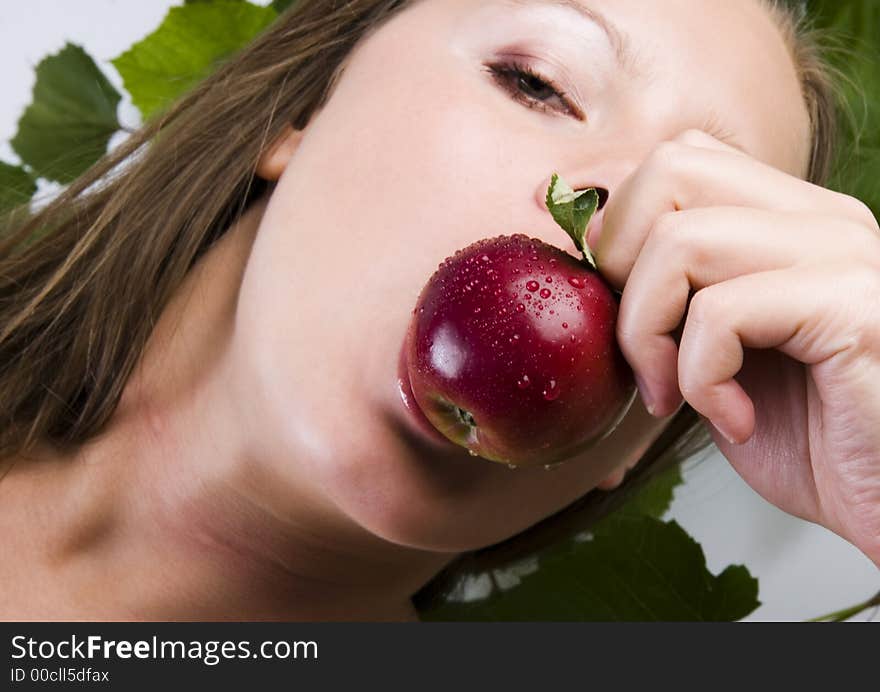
x,y
84,279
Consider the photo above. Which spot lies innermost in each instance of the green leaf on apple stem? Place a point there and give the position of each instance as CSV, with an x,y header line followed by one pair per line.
x,y
573,211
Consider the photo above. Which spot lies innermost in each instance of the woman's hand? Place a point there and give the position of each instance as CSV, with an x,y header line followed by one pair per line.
x,y
769,262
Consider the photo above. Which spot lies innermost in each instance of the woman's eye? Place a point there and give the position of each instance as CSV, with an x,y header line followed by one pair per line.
x,y
531,89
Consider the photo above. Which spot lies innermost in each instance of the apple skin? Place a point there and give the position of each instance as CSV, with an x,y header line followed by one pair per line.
x,y
511,352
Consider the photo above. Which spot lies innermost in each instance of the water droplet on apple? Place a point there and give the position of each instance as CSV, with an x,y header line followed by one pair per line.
x,y
572,338
520,307
549,279
551,391
476,310
526,296
523,382
545,293
576,281
565,325
532,286
485,258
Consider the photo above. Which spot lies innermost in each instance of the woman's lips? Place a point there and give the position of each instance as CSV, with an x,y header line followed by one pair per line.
x,y
416,420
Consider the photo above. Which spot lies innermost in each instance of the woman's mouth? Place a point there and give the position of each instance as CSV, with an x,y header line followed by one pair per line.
x,y
415,419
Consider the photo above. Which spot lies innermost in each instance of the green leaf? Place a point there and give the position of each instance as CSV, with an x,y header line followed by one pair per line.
x,y
281,5
573,211
656,497
189,44
630,568
16,186
854,27
71,118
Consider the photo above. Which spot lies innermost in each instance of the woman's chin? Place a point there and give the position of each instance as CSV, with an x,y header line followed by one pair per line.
x,y
408,490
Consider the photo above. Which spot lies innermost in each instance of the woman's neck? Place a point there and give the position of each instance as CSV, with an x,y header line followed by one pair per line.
x,y
174,512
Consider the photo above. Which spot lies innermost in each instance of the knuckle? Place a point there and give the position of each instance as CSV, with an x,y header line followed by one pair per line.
x,y
854,323
668,158
701,308
689,384
703,304
864,280
862,213
668,233
628,333
692,137
867,245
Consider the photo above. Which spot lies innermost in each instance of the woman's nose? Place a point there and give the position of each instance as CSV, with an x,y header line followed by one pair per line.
x,y
605,171
582,182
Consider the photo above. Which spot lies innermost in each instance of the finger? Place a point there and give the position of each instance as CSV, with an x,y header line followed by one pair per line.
x,y
810,313
612,480
689,250
700,138
615,478
678,176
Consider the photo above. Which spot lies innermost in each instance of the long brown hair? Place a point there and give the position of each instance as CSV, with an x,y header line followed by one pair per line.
x,y
84,279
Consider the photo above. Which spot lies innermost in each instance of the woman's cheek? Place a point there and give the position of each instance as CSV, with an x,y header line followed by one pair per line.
x,y
380,190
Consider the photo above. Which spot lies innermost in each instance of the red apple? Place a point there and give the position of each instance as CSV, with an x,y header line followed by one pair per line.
x,y
511,350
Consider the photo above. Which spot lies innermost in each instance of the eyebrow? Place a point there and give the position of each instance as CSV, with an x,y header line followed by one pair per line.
x,y
623,50
626,55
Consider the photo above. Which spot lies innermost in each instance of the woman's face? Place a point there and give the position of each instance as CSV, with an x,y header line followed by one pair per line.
x,y
420,151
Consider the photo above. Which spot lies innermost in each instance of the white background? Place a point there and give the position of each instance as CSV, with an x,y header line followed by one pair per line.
x,y
803,570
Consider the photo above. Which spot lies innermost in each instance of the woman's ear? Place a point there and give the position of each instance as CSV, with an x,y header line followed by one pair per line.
x,y
274,160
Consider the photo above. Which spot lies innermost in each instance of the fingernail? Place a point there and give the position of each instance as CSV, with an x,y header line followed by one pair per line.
x,y
725,433
647,399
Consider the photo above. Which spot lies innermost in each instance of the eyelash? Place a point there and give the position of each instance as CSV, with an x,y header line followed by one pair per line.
x,y
503,72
